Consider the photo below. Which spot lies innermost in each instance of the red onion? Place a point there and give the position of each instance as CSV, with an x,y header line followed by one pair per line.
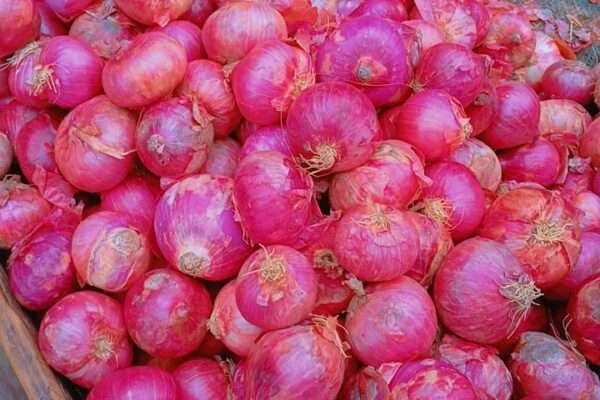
x,y
583,327
268,79
154,13
480,14
545,54
213,250
199,12
254,22
94,145
50,24
480,364
223,158
238,379
595,184
353,54
332,127
145,70
148,383
535,321
201,379
516,119
563,116
188,35
391,322
174,305
579,177
13,116
428,34
208,89
21,24
272,182
389,9
538,366
433,122
268,138
538,162
210,346
276,288
21,209
69,9
4,88
589,143
367,384
482,111
40,269
454,199
587,205
104,28
481,291
300,362
481,161
394,176
83,337
453,68
412,44
569,80
451,17
431,379
245,130
6,155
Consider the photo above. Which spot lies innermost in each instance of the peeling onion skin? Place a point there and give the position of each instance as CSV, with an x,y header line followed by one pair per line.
x,y
481,161
563,116
83,337
174,305
366,384
545,54
429,34
223,158
538,162
148,383
154,13
201,379
392,321
588,144
569,80
583,324
23,28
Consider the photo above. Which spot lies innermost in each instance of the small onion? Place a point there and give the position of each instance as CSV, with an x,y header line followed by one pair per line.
x,y
223,158
583,327
83,337
154,13
13,116
21,24
199,11
145,70
366,384
175,306
563,116
391,322
587,205
268,138
69,9
201,379
589,144
188,35
538,162
50,24
148,383
481,161
545,54
569,80
276,288
429,34
389,9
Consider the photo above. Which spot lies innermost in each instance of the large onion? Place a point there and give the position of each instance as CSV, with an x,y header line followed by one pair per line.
x,y
569,80
538,162
21,24
154,13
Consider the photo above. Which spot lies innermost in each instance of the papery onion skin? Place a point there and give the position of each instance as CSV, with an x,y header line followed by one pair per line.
x,y
146,70
394,176
429,34
481,161
433,122
277,288
254,23
213,250
268,138
452,18
539,228
300,362
537,162
22,24
201,379
390,9
587,205
188,35
480,364
223,158
50,24
365,384
94,143
199,11
569,80
206,86
563,116
545,54
517,116
589,144
149,383
174,305
154,13
412,44
109,252
270,181
354,53
83,337
13,116
392,321
69,9
583,326
538,364
482,292
332,127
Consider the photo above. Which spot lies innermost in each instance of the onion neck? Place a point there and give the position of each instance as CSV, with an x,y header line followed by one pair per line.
x,y
104,347
125,241
546,233
523,294
43,77
323,158
273,268
438,209
192,263
21,54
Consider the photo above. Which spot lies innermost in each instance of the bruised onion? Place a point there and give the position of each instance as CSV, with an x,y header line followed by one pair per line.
x,y
583,326
201,378
83,337
538,162
365,384
563,116
149,383
589,143
21,24
268,138
569,80
199,11
481,161
223,158
154,13
188,35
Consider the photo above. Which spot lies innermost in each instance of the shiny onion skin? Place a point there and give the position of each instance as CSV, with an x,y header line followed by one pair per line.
x,y
454,68
144,70
545,54
583,326
391,321
206,86
214,249
83,337
331,128
171,140
148,383
429,379
109,252
50,24
375,242
13,116
94,145
433,122
68,9
428,33
481,161
563,116
390,9
481,365
454,199
588,144
412,43
175,306
6,155
22,208
268,79
434,244
276,288
539,228
516,119
268,138
481,291
482,110
154,13
270,181
228,325
300,362
366,384
355,53
202,379
21,24
538,364
538,162
199,12
569,80
254,22
187,35
223,158
394,176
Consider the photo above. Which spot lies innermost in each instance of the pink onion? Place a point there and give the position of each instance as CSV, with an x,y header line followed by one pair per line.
x,y
6,155
213,250
223,158
4,88
588,145
453,18
587,205
412,43
535,321
538,162
481,161
428,33
389,9
569,80
365,384
482,110
199,12
201,379
149,383
563,116
545,54
21,24
50,24
268,138
154,13
188,35
13,116
579,177
596,183
69,9
583,327
83,337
